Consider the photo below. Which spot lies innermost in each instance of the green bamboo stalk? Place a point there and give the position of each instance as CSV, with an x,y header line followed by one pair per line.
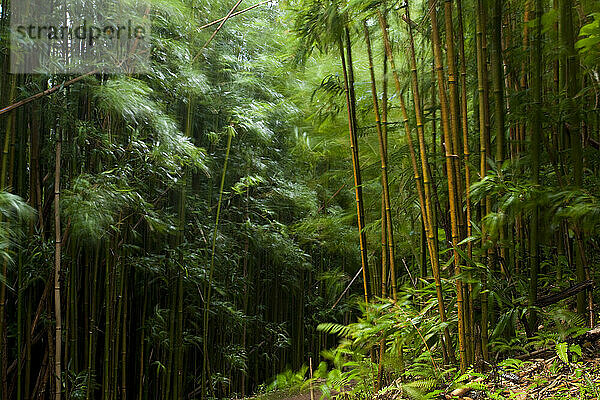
x,y
107,325
3,183
124,333
484,151
499,103
57,265
536,133
569,78
208,290
92,326
470,317
141,374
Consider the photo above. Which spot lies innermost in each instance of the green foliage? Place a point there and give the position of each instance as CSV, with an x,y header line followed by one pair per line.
x,y
589,44
14,212
335,329
289,380
78,383
564,350
141,167
513,365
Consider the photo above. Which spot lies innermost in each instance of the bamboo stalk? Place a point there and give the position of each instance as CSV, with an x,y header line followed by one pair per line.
x,y
205,367
419,183
384,132
499,105
57,256
389,229
454,109
92,325
452,184
124,347
348,88
233,14
470,320
482,90
3,183
46,92
20,190
107,324
569,82
384,119
536,126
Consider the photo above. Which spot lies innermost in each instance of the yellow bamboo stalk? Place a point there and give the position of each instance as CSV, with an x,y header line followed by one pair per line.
x,y
356,171
452,184
384,175
466,156
454,107
420,192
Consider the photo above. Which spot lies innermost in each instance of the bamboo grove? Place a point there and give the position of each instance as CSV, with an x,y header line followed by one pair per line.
x,y
183,233
526,103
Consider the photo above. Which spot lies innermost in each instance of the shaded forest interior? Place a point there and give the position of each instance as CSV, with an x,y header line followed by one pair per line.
x,y
376,189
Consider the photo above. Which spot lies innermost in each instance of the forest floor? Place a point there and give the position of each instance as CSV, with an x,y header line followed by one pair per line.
x,y
551,378
573,373
570,373
541,378
304,395
535,379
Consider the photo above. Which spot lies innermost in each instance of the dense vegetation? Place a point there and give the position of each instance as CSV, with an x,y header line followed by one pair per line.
x,y
419,178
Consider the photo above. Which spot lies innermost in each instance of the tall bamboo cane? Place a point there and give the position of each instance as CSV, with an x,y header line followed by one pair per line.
x,y
454,109
382,155
484,151
384,111
57,251
3,181
384,127
205,375
499,106
452,194
348,88
419,184
387,244
569,82
536,132
428,212
469,321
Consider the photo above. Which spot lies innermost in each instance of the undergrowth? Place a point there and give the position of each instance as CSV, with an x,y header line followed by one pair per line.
x,y
413,365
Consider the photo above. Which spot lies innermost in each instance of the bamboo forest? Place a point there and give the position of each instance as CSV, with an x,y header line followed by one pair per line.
x,y
299,199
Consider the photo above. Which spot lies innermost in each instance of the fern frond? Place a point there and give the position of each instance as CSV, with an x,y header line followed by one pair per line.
x,y
423,384
335,329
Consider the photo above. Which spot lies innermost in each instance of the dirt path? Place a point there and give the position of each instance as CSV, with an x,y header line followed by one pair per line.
x,y
304,396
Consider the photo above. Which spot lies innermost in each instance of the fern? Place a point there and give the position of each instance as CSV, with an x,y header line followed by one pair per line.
x,y
561,351
335,329
423,384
